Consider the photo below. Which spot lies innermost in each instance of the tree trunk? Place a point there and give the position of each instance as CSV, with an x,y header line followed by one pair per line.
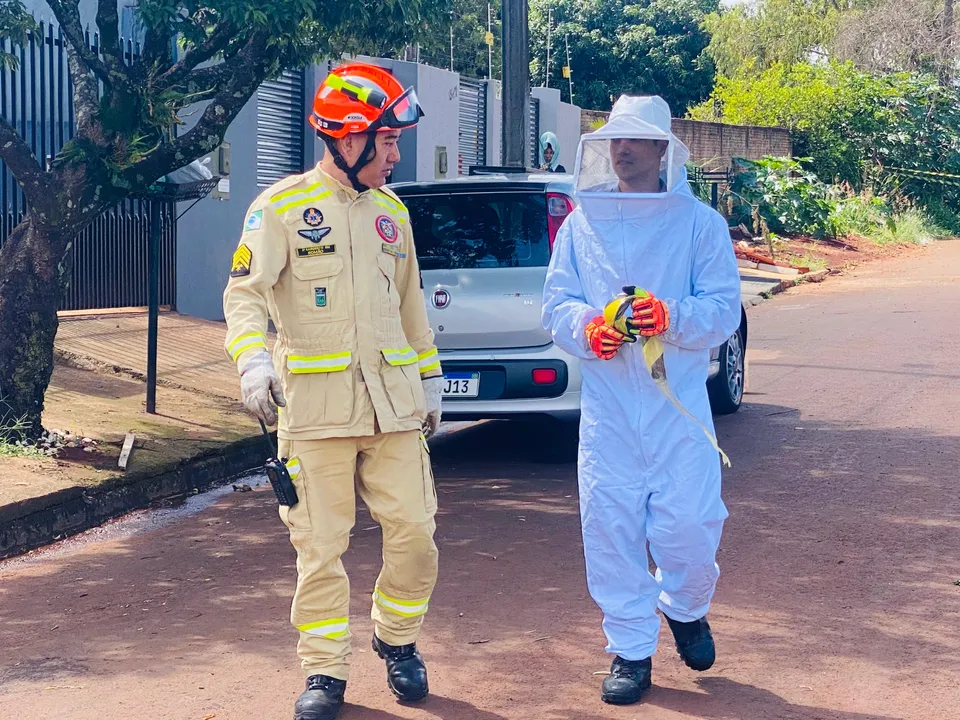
x,y
30,292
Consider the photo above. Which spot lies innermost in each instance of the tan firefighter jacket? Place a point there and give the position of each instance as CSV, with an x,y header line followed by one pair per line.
x,y
338,273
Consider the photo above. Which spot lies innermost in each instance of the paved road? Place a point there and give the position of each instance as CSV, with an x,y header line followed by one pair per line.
x,y
837,598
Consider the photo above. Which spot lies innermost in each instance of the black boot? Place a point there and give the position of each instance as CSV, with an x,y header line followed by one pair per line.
x,y
406,673
322,699
694,643
627,681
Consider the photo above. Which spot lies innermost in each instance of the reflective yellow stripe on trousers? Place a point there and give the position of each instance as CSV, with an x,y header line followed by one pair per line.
x,y
307,364
404,608
332,629
246,342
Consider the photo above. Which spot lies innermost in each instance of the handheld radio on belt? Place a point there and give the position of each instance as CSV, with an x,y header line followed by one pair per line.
x,y
278,474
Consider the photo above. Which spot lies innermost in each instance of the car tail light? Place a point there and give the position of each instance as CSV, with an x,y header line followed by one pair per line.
x,y
558,207
544,376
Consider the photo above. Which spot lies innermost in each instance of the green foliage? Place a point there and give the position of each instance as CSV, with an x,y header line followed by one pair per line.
x,y
15,442
625,46
470,50
852,126
15,24
750,38
789,199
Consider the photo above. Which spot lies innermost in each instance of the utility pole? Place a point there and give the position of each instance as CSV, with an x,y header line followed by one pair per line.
x,y
516,82
489,39
451,42
546,82
569,68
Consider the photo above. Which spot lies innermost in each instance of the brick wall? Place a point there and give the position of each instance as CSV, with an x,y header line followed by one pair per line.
x,y
713,144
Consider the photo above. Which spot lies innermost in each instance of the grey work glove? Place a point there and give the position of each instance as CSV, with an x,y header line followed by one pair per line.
x,y
259,383
433,392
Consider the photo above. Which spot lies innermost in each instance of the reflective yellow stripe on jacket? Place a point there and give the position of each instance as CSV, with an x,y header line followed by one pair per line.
x,y
407,356
307,364
301,196
429,361
246,342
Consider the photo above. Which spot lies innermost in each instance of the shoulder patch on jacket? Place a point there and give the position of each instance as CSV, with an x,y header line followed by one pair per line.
x,y
242,258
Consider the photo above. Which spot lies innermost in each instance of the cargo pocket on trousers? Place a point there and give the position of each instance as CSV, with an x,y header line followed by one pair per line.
x,y
401,380
320,296
296,518
320,386
429,487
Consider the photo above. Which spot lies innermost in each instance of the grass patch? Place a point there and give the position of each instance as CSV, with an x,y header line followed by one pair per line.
x,y
14,443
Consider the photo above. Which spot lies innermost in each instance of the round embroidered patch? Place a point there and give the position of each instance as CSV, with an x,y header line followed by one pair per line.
x,y
312,217
388,229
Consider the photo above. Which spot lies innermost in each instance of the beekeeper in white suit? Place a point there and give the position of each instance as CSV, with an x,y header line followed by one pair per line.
x,y
646,472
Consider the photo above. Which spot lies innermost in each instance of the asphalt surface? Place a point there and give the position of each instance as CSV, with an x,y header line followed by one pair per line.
x,y
837,598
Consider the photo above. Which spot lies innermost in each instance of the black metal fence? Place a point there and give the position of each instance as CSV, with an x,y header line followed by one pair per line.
x,y
109,258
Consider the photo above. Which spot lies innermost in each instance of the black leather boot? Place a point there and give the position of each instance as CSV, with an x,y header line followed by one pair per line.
x,y
322,699
627,681
694,643
406,673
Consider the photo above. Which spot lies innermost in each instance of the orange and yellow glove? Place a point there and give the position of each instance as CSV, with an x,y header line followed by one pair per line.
x,y
650,316
604,340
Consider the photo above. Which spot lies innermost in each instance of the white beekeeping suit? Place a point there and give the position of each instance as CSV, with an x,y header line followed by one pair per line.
x,y
646,471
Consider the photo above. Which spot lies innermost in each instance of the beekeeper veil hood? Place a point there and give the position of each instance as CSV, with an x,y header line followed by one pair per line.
x,y
632,118
549,139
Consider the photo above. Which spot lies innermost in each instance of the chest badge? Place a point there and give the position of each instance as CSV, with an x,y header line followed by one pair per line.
x,y
387,229
315,235
313,217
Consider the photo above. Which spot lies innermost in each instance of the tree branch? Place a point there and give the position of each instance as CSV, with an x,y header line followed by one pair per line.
x,y
108,22
86,94
17,155
67,13
215,43
240,80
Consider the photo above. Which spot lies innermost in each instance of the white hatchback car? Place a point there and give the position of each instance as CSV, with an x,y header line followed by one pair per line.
x,y
483,243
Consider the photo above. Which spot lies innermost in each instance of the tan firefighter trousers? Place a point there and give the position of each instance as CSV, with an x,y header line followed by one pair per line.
x,y
394,478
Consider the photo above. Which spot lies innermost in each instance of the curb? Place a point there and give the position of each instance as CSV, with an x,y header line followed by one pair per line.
x,y
785,284
35,522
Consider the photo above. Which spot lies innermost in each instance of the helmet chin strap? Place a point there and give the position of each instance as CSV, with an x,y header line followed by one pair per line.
x,y
366,157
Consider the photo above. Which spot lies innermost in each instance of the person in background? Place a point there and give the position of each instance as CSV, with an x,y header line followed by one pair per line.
x,y
550,153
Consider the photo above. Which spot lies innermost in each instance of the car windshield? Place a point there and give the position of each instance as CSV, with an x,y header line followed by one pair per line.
x,y
466,231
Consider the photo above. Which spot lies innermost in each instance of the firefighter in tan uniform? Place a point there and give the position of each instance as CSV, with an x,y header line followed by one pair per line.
x,y
329,255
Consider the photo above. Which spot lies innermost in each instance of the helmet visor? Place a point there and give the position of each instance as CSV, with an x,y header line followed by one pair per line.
x,y
403,112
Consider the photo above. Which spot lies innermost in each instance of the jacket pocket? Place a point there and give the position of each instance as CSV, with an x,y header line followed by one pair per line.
x,y
401,380
321,295
389,295
319,388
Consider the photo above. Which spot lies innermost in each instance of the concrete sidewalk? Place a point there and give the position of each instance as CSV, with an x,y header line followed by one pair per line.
x,y
190,350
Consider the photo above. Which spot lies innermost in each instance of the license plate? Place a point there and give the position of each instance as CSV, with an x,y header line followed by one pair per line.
x,y
462,384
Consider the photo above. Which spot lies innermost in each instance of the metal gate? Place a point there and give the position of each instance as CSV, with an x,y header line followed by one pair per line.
x,y
534,132
280,105
473,125
108,260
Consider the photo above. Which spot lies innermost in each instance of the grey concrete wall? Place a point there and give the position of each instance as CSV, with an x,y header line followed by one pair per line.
x,y
208,234
439,93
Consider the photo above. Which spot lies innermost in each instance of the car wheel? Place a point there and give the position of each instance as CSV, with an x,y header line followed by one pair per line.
x,y
726,388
